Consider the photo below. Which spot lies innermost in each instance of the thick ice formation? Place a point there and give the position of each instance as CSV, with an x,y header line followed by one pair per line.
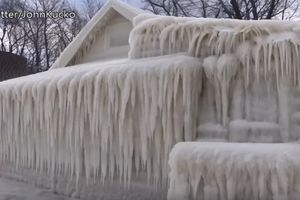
x,y
228,171
265,46
119,119
103,120
251,69
250,93
245,131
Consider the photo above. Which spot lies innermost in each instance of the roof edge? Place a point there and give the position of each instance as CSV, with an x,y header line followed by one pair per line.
x,y
68,53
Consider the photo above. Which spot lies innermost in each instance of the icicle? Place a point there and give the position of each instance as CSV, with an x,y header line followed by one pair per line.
x,y
220,71
101,121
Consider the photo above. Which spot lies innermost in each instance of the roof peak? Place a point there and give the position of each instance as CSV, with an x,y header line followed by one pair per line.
x,y
126,10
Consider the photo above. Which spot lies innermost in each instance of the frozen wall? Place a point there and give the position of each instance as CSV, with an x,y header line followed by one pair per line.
x,y
251,72
111,41
250,93
113,120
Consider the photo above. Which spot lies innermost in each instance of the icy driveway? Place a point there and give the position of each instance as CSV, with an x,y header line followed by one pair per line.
x,y
13,190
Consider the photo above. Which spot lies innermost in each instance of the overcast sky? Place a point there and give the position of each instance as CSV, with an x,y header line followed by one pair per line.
x,y
136,3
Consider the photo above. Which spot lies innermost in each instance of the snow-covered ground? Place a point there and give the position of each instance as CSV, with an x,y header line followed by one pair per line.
x,y
14,190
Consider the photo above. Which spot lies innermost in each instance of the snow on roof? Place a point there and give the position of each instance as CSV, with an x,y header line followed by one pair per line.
x,y
87,33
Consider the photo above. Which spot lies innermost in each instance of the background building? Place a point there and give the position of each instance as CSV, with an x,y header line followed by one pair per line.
x,y
12,66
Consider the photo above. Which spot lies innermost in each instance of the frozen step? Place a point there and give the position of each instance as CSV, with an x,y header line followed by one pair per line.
x,y
294,132
212,131
295,107
211,140
295,93
295,118
295,104
295,101
253,131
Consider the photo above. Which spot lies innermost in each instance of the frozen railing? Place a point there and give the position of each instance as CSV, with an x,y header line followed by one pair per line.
x,y
228,171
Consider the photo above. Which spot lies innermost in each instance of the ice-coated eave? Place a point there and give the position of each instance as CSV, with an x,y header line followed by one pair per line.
x,y
158,35
267,47
129,12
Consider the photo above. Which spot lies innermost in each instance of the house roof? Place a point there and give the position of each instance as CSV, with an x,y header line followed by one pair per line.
x,y
80,41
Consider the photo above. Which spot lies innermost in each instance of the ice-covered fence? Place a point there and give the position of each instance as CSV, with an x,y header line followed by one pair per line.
x,y
103,120
228,171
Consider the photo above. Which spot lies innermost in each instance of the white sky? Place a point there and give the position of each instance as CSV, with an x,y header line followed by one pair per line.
x,y
136,3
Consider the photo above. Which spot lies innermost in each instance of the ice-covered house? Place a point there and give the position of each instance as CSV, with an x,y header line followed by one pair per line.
x,y
211,104
105,37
